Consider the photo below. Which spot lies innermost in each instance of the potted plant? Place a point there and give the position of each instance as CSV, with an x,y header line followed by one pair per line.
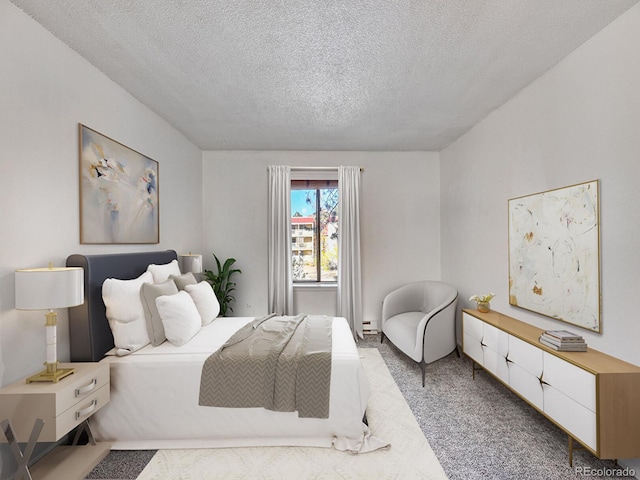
x,y
222,284
482,301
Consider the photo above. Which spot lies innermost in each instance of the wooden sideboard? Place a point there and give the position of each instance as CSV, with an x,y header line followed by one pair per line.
x,y
593,397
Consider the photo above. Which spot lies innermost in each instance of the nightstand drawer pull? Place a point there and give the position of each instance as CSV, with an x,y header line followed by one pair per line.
x,y
87,388
86,411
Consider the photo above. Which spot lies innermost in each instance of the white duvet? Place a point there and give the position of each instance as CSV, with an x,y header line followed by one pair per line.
x,y
154,401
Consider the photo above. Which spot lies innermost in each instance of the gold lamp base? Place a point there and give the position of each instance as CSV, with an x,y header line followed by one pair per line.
x,y
51,374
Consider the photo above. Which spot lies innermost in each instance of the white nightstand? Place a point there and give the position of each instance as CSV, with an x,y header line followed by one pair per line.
x,y
45,412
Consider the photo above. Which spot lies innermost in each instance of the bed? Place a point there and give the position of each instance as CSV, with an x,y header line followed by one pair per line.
x,y
154,390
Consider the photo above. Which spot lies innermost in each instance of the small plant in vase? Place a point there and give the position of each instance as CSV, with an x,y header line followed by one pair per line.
x,y
482,301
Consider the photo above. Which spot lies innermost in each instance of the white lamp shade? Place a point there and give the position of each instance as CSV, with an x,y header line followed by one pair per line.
x,y
49,288
191,262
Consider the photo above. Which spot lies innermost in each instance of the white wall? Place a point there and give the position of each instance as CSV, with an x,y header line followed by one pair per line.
x,y
46,89
578,122
400,218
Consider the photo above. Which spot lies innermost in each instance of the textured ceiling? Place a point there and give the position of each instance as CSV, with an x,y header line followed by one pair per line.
x,y
323,75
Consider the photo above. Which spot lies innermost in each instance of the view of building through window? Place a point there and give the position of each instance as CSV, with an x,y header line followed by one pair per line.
x,y
314,233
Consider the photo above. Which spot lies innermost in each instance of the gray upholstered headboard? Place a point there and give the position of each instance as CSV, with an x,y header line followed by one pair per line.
x,y
89,332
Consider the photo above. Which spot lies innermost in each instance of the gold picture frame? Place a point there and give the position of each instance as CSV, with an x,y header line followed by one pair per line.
x,y
554,254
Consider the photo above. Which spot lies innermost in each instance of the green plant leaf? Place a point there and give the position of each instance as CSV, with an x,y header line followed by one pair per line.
x,y
222,284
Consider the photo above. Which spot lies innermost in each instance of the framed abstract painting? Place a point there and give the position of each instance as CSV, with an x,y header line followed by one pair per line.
x,y
119,199
554,254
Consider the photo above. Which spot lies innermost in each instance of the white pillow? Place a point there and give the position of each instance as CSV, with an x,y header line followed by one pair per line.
x,y
125,312
161,273
180,317
184,279
205,299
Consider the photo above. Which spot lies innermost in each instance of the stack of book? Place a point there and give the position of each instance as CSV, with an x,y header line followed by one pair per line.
x,y
564,341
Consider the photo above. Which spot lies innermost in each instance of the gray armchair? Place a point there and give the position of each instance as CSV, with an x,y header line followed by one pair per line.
x,y
419,319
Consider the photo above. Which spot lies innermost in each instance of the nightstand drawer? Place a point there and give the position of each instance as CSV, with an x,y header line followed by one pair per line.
x,y
81,385
82,410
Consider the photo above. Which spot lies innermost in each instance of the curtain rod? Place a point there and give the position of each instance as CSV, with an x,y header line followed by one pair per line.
x,y
319,168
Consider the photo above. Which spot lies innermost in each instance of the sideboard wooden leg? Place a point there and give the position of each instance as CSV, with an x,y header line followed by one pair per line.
x,y
570,450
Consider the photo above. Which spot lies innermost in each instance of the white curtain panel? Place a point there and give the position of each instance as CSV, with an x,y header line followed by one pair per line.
x,y
280,289
349,270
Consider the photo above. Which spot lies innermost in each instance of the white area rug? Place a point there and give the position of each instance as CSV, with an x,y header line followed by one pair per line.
x,y
389,417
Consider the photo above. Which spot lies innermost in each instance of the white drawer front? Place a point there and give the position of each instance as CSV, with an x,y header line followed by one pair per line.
x,y
496,364
472,326
571,415
496,339
526,384
573,381
79,386
472,347
526,356
82,410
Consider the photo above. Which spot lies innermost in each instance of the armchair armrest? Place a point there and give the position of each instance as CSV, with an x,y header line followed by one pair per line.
x,y
439,330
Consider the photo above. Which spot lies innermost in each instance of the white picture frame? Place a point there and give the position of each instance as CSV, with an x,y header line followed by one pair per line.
x,y
119,198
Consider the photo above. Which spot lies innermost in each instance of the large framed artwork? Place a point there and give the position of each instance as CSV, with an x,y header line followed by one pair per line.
x,y
554,254
118,192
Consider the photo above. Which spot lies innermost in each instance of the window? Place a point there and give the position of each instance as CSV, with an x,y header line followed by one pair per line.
x,y
314,230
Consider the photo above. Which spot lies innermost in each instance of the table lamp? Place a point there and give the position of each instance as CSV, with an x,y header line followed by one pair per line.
x,y
46,289
190,262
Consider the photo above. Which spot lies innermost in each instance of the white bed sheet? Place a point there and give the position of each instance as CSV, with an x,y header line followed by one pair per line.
x,y
154,401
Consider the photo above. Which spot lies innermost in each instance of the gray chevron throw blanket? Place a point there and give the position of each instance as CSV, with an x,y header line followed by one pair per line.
x,y
280,363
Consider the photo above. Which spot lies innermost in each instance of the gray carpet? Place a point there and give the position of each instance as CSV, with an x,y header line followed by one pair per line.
x,y
477,428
